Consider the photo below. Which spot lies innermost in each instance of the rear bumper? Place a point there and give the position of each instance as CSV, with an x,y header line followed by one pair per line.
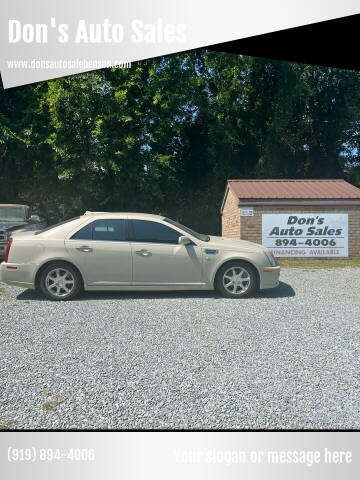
x,y
18,275
269,277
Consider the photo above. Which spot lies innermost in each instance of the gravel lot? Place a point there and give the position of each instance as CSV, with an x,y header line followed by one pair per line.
x,y
289,358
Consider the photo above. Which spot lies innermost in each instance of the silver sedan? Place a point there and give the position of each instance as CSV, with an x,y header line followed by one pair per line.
x,y
134,251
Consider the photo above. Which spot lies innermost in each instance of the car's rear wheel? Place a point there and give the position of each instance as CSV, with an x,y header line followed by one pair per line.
x,y
236,280
60,281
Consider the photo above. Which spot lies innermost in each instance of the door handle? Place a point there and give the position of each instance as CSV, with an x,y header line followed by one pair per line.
x,y
143,252
85,249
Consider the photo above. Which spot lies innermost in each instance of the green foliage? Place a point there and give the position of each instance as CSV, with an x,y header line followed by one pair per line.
x,y
165,135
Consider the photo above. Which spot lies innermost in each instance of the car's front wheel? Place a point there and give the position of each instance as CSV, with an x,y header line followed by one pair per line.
x,y
236,280
60,281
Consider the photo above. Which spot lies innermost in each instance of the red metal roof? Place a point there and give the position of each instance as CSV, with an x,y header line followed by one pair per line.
x,y
294,192
324,189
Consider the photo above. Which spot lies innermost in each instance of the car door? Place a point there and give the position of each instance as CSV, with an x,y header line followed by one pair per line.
x,y
158,259
102,252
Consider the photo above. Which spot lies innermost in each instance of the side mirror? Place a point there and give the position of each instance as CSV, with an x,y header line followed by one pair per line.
x,y
34,219
184,240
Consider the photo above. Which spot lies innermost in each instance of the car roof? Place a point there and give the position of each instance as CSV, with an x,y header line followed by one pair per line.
x,y
124,214
63,228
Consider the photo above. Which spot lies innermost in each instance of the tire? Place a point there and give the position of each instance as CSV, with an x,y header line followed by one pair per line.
x,y
60,281
246,277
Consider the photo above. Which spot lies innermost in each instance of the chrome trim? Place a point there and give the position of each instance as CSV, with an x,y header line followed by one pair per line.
x,y
97,241
122,241
155,243
143,252
85,248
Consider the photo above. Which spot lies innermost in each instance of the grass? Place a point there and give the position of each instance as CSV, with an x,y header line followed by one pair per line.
x,y
318,263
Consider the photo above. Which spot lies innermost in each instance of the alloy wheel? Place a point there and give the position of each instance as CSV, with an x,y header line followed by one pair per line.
x,y
59,282
236,280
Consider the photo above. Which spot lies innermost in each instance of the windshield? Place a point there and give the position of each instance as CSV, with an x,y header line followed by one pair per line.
x,y
199,236
12,214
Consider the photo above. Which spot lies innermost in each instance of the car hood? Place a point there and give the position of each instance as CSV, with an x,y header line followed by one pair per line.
x,y
8,226
233,243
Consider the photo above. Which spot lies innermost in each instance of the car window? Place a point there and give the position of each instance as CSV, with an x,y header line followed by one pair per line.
x,y
84,233
12,214
105,230
111,230
146,231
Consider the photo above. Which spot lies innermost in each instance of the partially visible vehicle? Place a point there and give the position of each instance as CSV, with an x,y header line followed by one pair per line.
x,y
134,251
16,217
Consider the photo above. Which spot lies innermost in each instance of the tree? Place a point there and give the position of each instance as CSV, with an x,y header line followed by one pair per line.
x,y
165,135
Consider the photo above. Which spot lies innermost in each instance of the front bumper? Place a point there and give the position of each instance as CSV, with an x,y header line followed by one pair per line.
x,y
18,275
269,277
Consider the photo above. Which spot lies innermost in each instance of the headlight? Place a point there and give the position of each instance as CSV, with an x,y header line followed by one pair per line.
x,y
272,260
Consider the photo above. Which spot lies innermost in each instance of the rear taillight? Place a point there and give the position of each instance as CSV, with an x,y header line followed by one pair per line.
x,y
7,251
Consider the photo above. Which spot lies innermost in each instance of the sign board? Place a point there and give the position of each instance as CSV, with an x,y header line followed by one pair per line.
x,y
247,211
306,234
